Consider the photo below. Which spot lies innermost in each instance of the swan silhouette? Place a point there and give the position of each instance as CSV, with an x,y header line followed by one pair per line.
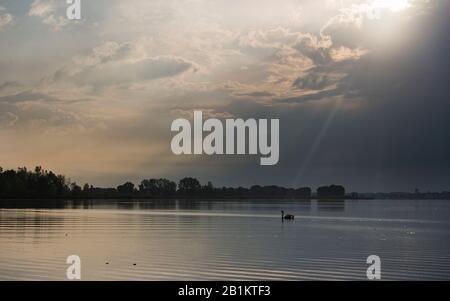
x,y
287,216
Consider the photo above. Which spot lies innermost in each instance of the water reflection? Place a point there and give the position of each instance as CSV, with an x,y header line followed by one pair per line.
x,y
220,240
331,205
161,204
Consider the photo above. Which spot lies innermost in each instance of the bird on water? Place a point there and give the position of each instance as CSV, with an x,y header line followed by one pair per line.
x,y
286,216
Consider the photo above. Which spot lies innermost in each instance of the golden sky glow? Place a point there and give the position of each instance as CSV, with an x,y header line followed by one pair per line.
x,y
96,99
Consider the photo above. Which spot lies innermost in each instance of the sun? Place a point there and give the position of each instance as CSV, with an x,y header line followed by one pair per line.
x,y
394,5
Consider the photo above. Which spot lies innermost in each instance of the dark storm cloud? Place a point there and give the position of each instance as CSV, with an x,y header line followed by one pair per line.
x,y
308,97
384,127
364,103
401,133
312,81
317,53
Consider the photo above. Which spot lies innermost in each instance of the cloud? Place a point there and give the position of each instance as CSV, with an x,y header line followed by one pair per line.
x,y
255,94
25,96
340,54
272,38
321,95
8,119
369,95
121,63
312,81
267,43
51,12
345,28
315,48
10,87
122,72
5,19
207,113
295,62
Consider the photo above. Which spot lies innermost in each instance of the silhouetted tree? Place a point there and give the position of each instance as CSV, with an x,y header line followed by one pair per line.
x,y
208,188
23,183
75,190
126,188
40,183
189,186
304,192
158,187
333,191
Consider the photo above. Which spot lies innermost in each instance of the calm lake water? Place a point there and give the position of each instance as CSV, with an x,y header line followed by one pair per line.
x,y
226,240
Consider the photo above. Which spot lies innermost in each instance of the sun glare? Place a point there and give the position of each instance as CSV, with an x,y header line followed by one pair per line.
x,y
394,5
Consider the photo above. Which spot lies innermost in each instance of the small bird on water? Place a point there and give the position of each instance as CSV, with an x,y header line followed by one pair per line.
x,y
287,216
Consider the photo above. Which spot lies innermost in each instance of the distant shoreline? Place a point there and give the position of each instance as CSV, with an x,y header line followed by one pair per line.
x,y
187,198
202,198
40,184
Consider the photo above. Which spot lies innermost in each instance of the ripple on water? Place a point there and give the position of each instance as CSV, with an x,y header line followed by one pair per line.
x,y
223,243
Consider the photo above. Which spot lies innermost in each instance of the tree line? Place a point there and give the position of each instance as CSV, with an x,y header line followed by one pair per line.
x,y
39,183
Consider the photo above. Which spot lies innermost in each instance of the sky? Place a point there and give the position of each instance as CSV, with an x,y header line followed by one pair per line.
x,y
361,89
